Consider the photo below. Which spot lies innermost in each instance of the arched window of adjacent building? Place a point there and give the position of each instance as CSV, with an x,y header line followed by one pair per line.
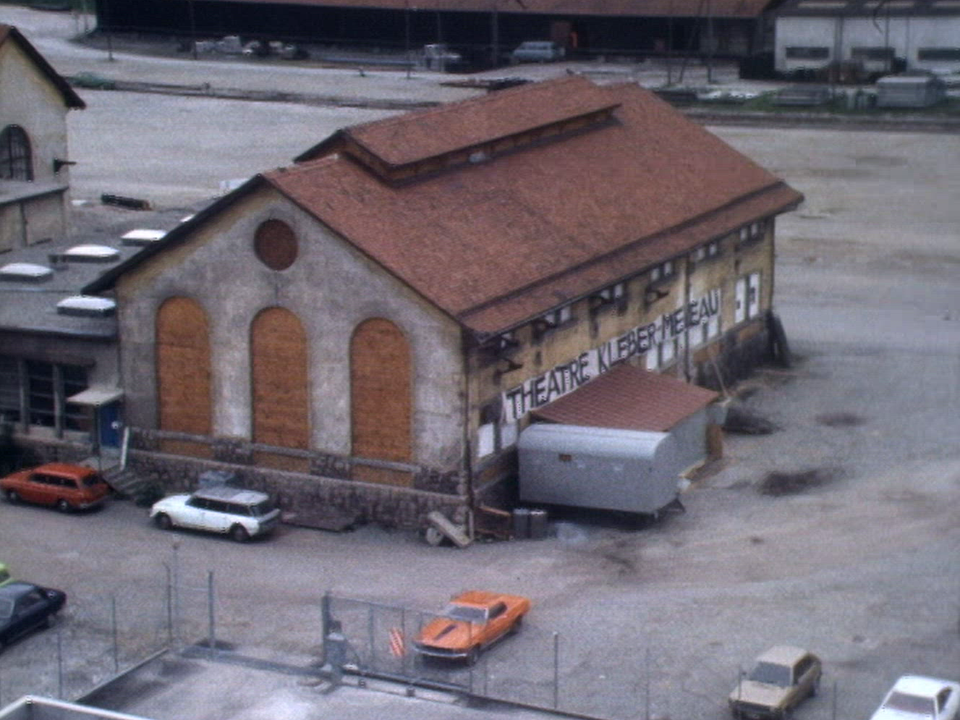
x,y
183,367
16,161
381,400
281,389
275,244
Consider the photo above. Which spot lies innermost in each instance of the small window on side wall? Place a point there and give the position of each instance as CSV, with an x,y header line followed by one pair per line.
x,y
275,244
16,158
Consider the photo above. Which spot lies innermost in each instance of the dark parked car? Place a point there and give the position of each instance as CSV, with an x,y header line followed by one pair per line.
x,y
25,607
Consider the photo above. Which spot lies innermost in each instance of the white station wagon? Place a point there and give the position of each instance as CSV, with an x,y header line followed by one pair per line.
x,y
239,513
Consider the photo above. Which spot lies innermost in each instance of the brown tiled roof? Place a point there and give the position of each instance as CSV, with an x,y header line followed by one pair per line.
x,y
628,398
609,8
70,98
496,243
415,136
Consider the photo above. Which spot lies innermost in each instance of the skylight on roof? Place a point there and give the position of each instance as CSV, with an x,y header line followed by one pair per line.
x,y
142,236
86,306
25,271
822,4
91,253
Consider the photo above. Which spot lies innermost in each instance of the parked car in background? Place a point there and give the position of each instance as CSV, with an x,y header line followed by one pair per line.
x,y
537,51
781,678
241,514
66,487
438,56
471,622
25,607
915,696
5,577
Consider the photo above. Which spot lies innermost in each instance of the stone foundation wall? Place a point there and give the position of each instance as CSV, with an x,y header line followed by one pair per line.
x,y
304,494
741,352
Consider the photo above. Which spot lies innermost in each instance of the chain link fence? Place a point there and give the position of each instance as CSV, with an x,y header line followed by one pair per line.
x,y
94,638
533,667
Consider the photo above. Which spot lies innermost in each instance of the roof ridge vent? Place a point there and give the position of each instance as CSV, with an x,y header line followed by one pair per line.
x,y
90,253
87,306
31,272
142,236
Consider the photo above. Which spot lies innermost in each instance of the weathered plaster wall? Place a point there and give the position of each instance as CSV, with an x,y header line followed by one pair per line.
x,y
33,103
331,288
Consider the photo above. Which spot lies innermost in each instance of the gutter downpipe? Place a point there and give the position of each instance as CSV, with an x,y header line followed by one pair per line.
x,y
467,445
687,357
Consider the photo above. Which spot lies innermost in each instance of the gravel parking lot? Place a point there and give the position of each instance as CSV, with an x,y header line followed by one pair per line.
x,y
855,560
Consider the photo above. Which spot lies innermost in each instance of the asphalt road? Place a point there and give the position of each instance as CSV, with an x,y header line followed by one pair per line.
x,y
859,564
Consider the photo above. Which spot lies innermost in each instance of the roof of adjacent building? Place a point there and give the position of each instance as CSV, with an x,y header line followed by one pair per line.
x,y
8,33
628,398
868,8
36,279
610,8
498,208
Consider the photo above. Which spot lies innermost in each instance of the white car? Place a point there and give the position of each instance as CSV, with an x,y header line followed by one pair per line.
x,y
537,51
913,696
239,513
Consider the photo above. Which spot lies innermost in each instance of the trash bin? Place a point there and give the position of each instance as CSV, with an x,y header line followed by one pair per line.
x,y
211,478
538,524
521,523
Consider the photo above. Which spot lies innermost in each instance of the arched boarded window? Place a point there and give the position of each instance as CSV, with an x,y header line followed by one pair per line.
x,y
381,398
278,361
183,368
16,160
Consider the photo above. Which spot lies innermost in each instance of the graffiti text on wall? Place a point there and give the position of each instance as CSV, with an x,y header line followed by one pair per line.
x,y
568,376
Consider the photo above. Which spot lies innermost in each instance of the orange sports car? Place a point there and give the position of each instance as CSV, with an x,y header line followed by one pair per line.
x,y
470,623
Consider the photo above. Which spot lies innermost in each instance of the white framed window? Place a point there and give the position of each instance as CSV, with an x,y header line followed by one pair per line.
x,y
486,440
662,271
557,317
492,437
747,297
507,340
509,433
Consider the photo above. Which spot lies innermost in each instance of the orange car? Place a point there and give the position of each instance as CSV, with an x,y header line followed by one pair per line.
x,y
471,622
66,487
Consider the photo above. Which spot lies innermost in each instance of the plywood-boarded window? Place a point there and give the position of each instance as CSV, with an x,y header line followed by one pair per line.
x,y
381,398
278,361
183,367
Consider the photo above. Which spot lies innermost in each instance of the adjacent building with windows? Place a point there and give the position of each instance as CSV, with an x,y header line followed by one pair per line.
x,y
57,351
482,30
881,36
34,159
369,329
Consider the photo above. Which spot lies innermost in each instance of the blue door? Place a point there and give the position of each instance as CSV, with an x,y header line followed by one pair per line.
x,y
109,421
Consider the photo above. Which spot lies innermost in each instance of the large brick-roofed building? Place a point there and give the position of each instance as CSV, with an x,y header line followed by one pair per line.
x,y
370,329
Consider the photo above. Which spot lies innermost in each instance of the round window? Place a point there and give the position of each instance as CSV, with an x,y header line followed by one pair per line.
x,y
275,244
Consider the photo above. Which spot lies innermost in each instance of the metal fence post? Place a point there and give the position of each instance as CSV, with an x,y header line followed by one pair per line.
x,y
169,589
210,613
176,593
403,640
370,636
833,712
59,663
556,670
113,624
646,685
324,624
